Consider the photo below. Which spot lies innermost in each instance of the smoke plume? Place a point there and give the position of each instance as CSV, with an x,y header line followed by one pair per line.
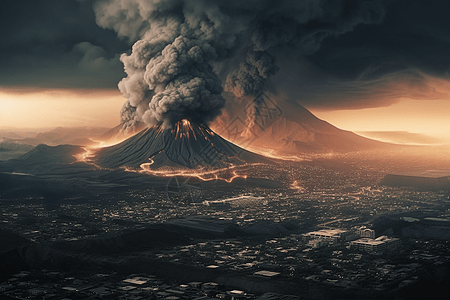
x,y
169,72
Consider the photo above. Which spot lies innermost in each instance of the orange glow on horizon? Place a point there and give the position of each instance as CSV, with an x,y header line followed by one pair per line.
x,y
430,118
60,108
80,108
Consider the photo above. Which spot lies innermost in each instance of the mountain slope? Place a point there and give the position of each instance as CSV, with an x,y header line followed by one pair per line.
x,y
44,159
116,134
185,145
289,128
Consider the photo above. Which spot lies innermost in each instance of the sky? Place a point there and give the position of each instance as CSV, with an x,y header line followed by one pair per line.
x,y
365,66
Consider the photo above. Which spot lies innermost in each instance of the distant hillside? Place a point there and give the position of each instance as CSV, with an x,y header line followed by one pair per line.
x,y
83,136
289,128
115,134
417,181
11,149
43,159
10,145
11,241
138,240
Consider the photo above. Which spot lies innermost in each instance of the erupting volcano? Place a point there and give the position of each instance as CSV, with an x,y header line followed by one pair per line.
x,y
185,145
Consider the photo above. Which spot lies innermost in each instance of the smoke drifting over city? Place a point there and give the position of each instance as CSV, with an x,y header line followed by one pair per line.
x,y
169,71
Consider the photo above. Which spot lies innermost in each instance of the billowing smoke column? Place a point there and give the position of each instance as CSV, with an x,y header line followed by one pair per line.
x,y
169,72
250,79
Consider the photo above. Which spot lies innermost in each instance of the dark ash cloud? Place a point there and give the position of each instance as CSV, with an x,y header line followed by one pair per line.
x,y
56,44
329,54
170,66
404,56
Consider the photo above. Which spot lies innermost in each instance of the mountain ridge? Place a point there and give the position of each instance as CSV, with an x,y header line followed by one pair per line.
x,y
289,128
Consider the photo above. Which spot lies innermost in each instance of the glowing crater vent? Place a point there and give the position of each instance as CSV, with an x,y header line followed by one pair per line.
x,y
184,129
186,144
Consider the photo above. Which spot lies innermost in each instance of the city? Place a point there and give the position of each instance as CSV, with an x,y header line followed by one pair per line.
x,y
192,149
318,230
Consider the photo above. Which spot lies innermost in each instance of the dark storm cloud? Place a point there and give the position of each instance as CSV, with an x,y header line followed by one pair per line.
x,y
300,27
329,54
56,44
378,64
373,87
413,34
169,70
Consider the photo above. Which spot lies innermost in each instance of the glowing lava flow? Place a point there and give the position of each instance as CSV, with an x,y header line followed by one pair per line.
x,y
89,152
295,158
205,175
185,149
296,186
103,144
84,156
202,174
273,154
184,129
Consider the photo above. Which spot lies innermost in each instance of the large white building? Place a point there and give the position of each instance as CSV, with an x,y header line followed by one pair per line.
x,y
379,244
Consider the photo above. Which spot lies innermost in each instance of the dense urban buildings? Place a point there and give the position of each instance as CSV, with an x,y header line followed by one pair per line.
x,y
308,229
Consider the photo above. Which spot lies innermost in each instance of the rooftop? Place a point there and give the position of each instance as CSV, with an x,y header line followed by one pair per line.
x,y
328,232
266,273
137,281
368,241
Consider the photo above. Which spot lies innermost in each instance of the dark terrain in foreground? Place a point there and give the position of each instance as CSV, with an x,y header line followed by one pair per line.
x,y
166,251
67,217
